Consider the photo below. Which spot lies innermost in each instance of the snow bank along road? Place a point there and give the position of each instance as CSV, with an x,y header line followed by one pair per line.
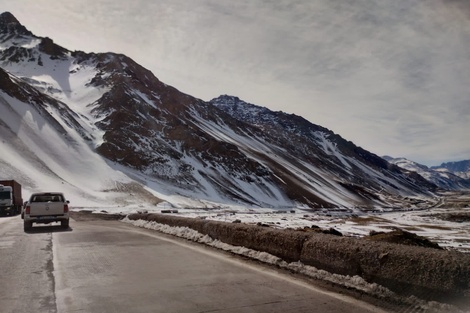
x,y
109,266
431,274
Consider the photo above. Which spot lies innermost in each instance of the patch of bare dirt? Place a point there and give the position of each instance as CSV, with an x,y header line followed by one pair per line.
x,y
132,190
463,217
402,237
86,215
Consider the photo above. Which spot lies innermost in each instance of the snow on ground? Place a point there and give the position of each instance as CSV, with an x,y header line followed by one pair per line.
x,y
455,235
427,223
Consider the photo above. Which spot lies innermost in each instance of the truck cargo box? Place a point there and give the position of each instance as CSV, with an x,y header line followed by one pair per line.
x,y
14,207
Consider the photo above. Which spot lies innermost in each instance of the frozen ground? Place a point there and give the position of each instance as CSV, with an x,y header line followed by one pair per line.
x,y
431,224
449,226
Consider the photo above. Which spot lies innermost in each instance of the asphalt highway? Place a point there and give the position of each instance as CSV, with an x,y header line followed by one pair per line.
x,y
110,266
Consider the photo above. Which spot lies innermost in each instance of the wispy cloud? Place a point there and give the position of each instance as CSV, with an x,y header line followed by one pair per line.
x,y
392,76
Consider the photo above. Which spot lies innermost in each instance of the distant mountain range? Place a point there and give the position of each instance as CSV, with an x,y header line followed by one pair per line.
x,y
105,128
452,175
460,168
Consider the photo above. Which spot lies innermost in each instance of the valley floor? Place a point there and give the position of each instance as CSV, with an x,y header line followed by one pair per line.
x,y
447,223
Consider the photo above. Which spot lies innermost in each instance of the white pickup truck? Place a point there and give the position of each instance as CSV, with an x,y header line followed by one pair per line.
x,y
45,208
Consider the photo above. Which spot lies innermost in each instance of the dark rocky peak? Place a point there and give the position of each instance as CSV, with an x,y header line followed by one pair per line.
x,y
7,18
49,47
263,116
10,27
118,69
12,36
237,107
16,35
227,100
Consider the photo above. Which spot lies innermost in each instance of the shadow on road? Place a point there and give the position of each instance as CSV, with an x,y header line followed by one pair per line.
x,y
48,229
5,215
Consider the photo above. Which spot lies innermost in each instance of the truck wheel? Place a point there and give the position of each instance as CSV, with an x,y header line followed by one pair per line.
x,y
28,225
64,223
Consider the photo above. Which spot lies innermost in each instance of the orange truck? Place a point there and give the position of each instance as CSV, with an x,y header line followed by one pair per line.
x,y
11,200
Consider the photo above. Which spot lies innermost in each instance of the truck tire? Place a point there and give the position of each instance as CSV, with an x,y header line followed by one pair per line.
x,y
64,223
27,225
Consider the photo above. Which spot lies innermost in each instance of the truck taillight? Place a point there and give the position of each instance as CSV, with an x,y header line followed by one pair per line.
x,y
66,208
28,209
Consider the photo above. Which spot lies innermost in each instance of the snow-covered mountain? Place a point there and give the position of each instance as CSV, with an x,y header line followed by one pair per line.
x,y
106,130
460,168
441,176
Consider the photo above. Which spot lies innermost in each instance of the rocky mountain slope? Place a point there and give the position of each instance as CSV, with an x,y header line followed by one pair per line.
x,y
97,122
441,176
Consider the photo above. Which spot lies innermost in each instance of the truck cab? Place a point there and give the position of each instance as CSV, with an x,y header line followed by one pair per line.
x,y
10,197
6,198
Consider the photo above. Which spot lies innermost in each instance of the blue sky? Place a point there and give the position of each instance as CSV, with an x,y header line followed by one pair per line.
x,y
391,76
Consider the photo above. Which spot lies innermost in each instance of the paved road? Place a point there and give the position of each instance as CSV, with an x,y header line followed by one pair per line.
x,y
109,266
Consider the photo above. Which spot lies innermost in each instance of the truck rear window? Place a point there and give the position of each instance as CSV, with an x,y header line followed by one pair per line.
x,y
47,198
